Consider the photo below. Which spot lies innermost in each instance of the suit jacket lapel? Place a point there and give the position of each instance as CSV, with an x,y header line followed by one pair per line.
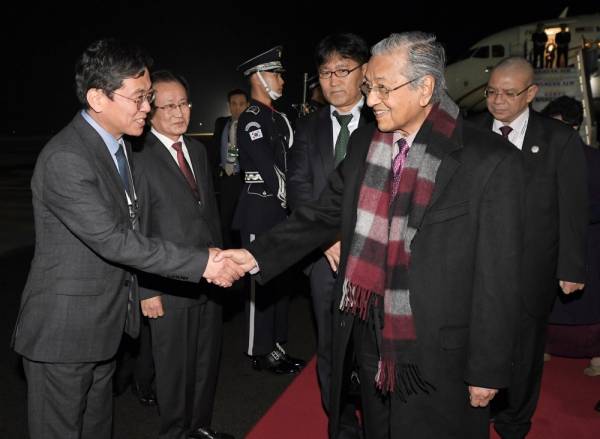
x,y
325,140
165,156
207,208
533,136
198,170
107,165
443,147
366,115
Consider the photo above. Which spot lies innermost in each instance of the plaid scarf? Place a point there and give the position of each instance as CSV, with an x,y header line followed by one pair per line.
x,y
379,259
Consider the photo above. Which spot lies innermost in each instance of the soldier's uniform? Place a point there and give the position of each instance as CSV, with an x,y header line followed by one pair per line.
x,y
264,136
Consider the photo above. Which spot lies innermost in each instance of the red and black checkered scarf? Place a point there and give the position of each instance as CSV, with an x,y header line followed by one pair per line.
x,y
379,259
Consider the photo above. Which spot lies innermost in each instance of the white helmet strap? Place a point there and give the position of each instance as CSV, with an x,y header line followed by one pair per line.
x,y
272,93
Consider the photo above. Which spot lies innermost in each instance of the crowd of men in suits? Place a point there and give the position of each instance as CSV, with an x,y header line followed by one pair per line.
x,y
434,245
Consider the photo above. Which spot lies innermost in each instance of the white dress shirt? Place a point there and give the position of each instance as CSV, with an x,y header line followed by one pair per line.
x,y
168,143
355,112
519,128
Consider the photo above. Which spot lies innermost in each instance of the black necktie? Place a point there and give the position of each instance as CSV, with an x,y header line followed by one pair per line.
x,y
132,322
123,167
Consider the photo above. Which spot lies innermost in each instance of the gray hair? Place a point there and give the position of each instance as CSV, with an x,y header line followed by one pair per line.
x,y
425,56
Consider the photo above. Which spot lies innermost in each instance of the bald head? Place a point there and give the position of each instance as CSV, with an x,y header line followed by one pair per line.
x,y
517,66
510,89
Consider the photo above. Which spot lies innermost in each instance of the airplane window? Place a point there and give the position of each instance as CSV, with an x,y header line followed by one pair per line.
x,y
481,52
497,51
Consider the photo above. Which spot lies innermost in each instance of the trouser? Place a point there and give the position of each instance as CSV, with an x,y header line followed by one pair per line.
x,y
69,400
517,404
186,345
538,58
266,311
134,362
562,56
322,280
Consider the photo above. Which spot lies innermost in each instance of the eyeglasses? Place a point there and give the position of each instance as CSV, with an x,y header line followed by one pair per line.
x,y
340,73
382,91
139,101
172,107
491,93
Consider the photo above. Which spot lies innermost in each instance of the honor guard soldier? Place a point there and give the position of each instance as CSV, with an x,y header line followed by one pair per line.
x,y
264,136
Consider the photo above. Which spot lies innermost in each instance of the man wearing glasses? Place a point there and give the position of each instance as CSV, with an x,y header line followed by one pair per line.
x,y
175,187
555,224
428,207
81,294
320,143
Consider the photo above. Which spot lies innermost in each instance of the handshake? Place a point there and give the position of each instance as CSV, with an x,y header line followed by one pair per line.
x,y
226,266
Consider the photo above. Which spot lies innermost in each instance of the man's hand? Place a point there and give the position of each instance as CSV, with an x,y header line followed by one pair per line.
x,y
570,287
333,256
222,272
480,396
152,307
242,257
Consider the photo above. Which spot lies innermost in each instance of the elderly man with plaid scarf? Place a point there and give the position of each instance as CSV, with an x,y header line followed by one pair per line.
x,y
429,208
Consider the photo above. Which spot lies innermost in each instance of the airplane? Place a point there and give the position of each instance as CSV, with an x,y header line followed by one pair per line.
x,y
467,78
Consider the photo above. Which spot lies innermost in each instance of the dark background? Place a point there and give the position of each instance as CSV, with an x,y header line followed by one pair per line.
x,y
205,42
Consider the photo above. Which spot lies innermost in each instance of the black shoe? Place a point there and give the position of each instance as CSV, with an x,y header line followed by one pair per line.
x,y
273,362
297,362
145,396
207,433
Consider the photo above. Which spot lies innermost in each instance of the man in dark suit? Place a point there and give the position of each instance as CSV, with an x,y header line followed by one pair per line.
x,y
319,146
174,183
264,136
429,208
230,179
80,294
555,225
562,38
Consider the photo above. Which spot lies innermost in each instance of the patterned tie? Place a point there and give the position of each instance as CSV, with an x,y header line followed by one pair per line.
x,y
122,167
342,139
132,322
185,169
505,130
397,165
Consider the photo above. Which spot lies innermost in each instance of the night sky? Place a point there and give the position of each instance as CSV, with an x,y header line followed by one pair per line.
x,y
205,44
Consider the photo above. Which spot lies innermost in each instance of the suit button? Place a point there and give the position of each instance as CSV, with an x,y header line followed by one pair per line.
x,y
342,324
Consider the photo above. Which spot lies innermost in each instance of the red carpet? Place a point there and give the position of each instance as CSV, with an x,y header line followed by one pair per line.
x,y
565,411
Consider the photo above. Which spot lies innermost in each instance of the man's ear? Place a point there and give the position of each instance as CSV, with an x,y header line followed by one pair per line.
x,y
96,99
531,92
427,86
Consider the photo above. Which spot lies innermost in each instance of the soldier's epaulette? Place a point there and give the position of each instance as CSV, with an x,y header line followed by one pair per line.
x,y
254,109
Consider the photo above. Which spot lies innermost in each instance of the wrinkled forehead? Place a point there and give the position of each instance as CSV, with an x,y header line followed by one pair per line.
x,y
385,67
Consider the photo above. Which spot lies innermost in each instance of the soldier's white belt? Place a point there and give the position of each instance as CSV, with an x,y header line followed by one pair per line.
x,y
252,177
